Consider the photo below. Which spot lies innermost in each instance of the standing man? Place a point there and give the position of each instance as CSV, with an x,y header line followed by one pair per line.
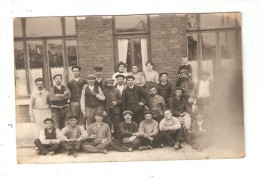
x,y
73,136
134,99
39,106
170,130
120,85
59,96
92,99
156,104
139,76
184,81
164,87
75,86
121,70
180,108
99,76
48,141
100,136
148,130
113,103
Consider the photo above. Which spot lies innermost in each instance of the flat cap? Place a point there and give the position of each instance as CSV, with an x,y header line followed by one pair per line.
x,y
57,75
163,74
130,77
91,76
179,88
109,80
39,79
184,71
128,112
120,75
98,67
76,66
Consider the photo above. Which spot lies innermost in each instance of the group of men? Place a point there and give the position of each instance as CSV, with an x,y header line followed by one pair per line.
x,y
121,113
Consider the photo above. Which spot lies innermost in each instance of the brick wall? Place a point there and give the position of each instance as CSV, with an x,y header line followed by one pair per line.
x,y
168,43
95,40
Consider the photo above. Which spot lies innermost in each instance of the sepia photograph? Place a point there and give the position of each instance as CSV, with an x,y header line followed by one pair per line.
x,y
120,88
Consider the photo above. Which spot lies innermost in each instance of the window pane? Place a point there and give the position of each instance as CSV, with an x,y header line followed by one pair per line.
x,y
192,54
131,23
228,51
138,52
218,20
36,60
208,41
43,26
56,55
20,72
70,25
71,54
18,32
191,21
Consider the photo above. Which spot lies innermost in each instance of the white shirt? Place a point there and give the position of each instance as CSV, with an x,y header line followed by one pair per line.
x,y
120,88
204,89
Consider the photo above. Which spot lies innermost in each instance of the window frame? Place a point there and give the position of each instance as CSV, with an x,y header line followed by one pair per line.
x,y
44,39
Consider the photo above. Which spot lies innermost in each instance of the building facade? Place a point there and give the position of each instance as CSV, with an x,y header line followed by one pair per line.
x,y
44,46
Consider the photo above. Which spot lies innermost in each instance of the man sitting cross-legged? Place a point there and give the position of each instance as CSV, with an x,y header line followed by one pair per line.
x,y
72,136
48,142
100,136
170,130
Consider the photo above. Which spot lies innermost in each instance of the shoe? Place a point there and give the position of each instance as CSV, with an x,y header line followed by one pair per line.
x,y
177,145
38,151
141,148
105,151
51,153
161,145
150,147
75,153
69,152
130,150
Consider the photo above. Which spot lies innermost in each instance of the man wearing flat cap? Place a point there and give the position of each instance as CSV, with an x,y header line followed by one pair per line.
x,y
181,109
100,136
112,104
121,70
134,99
59,96
184,81
120,85
148,130
92,100
75,86
39,106
164,87
99,76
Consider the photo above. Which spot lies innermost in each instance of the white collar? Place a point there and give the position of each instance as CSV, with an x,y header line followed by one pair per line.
x,y
131,86
76,79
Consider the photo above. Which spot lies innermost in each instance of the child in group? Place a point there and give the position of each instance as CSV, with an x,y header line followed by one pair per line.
x,y
185,65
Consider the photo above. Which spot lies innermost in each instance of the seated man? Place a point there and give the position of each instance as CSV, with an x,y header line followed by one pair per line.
x,y
72,136
180,108
170,130
100,136
128,131
48,141
148,129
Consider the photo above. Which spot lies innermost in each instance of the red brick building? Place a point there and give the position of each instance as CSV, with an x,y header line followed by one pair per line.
x,y
48,45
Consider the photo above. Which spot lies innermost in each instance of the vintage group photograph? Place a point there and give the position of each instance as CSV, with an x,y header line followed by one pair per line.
x,y
137,87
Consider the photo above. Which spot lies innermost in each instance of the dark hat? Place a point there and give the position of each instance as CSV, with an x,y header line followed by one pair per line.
x,y
121,63
91,76
179,88
98,68
150,62
75,66
48,119
128,112
57,75
99,114
184,71
120,75
163,73
39,79
147,112
109,80
130,77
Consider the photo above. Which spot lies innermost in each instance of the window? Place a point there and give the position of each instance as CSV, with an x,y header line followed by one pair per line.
x,y
131,36
43,47
213,42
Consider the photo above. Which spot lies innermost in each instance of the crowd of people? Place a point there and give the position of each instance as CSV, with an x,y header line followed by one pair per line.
x,y
128,111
